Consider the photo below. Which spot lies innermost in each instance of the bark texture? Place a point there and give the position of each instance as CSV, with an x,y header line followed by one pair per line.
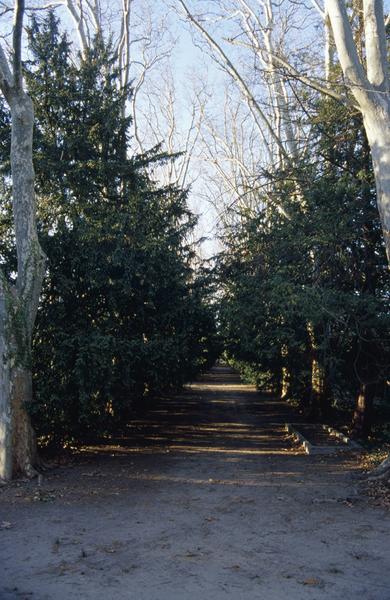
x,y
5,388
377,126
19,304
362,418
19,301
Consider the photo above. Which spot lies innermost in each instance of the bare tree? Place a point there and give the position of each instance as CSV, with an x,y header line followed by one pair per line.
x,y
174,124
139,37
259,32
276,129
19,300
365,81
267,132
232,159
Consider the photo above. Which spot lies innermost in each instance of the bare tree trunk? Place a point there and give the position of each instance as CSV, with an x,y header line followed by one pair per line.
x,y
19,302
23,436
377,126
320,397
17,439
329,48
320,388
362,418
5,389
285,382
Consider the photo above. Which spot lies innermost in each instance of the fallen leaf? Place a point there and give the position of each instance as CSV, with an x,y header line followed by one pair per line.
x,y
311,581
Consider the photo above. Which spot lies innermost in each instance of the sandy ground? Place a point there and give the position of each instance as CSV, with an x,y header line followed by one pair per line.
x,y
205,499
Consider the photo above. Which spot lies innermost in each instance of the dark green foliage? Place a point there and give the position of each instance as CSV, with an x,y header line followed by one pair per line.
x,y
313,286
123,314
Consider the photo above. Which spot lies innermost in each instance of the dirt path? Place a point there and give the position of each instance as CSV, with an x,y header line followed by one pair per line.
x,y
206,499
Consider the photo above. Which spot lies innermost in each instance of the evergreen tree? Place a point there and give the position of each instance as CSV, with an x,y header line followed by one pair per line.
x,y
305,297
122,315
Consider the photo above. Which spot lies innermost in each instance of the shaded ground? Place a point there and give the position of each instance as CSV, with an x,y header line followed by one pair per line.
x,y
206,498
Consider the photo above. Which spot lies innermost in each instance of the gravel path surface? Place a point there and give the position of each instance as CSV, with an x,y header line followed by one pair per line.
x,y
205,499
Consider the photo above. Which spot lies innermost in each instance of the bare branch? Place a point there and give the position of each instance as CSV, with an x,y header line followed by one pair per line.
x,y
6,78
307,80
346,48
319,8
254,106
376,47
17,44
125,43
80,25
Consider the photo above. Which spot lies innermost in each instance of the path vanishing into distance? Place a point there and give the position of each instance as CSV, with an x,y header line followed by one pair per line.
x,y
206,498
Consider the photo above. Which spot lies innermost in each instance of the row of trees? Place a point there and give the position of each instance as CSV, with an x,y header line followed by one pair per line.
x,y
305,290
294,177
303,166
125,309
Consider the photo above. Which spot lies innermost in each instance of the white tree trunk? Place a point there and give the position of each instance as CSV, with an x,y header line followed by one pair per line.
x,y
19,302
17,439
5,387
377,126
329,49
